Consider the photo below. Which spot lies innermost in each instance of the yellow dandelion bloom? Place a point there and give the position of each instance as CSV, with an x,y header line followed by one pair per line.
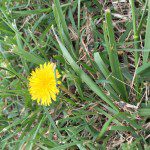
x,y
43,84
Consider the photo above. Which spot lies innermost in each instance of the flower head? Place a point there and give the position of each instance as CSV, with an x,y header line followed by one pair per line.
x,y
43,84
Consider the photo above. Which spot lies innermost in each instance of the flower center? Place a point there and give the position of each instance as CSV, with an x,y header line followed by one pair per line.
x,y
45,83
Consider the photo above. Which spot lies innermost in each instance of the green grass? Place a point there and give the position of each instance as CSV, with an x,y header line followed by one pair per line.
x,y
103,58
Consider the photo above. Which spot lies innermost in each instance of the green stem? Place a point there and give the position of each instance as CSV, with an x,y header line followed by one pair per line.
x,y
136,39
142,18
136,36
78,41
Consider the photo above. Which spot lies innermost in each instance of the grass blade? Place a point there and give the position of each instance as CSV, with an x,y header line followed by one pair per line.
x,y
52,121
104,70
113,56
147,37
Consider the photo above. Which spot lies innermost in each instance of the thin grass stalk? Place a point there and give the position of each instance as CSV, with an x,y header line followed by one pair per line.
x,y
142,19
78,40
136,36
79,6
136,39
147,37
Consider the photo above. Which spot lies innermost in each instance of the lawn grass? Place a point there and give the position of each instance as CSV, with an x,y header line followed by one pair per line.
x,y
101,49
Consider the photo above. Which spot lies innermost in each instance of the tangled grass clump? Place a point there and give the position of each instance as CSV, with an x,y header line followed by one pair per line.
x,y
101,49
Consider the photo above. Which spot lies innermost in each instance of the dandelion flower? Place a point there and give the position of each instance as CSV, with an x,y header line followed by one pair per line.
x,y
43,84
